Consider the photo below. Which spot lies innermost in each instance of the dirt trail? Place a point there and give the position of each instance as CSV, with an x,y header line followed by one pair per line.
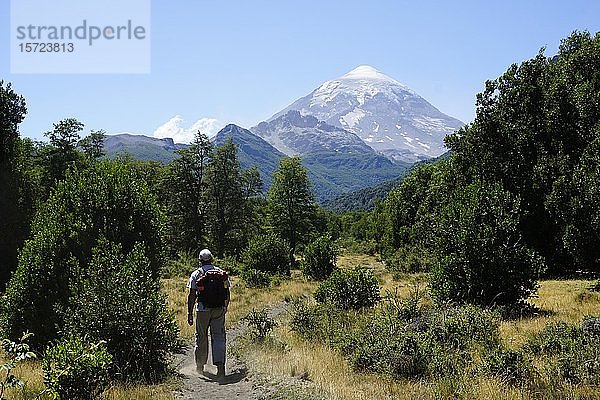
x,y
238,384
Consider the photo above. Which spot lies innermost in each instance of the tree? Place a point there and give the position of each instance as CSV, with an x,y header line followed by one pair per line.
x,y
138,330
93,145
480,252
12,113
226,199
14,215
401,208
62,152
185,193
532,127
291,205
106,200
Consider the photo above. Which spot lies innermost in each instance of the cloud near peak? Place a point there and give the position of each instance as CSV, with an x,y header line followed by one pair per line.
x,y
174,128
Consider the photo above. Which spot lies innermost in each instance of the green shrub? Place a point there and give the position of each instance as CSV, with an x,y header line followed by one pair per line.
x,y
349,289
182,266
106,200
481,258
509,365
326,324
260,324
74,369
410,259
572,351
14,354
254,278
355,246
267,253
305,320
555,338
120,303
230,265
424,343
319,258
403,338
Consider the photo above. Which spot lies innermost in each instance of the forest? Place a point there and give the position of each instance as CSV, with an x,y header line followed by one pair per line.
x,y
89,247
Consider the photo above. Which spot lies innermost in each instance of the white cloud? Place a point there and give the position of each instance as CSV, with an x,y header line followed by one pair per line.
x,y
174,128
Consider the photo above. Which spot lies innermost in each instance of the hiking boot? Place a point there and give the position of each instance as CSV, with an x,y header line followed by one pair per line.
x,y
221,372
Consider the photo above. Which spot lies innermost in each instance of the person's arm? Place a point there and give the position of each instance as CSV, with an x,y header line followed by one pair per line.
x,y
228,295
190,305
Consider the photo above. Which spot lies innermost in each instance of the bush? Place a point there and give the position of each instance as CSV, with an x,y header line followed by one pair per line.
x,y
573,351
430,343
349,289
267,253
410,259
106,200
74,369
510,365
305,320
403,338
230,265
319,258
354,246
15,353
260,323
254,278
182,266
120,303
480,252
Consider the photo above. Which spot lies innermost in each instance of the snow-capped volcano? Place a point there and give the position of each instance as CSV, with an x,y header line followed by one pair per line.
x,y
387,115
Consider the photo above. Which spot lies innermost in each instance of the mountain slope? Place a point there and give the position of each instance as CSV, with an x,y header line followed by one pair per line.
x,y
364,199
142,147
253,151
331,172
387,115
293,133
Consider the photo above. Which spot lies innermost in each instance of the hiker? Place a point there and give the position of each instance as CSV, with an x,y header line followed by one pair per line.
x,y
209,291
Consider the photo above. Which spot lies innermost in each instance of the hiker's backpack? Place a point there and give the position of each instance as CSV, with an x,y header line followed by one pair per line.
x,y
211,288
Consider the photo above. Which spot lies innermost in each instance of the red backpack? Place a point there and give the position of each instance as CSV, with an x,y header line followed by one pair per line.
x,y
211,288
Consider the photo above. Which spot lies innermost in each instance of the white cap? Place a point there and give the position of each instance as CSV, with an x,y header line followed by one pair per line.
x,y
205,255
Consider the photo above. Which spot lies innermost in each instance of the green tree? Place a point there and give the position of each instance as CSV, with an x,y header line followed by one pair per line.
x,y
93,145
14,215
224,187
481,256
533,125
62,153
105,200
139,330
575,203
291,205
402,207
12,113
185,192
319,258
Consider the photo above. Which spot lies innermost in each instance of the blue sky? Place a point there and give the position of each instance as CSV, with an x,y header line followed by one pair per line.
x,y
242,61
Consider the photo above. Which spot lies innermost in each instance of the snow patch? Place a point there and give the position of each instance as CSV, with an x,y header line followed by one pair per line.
x,y
352,118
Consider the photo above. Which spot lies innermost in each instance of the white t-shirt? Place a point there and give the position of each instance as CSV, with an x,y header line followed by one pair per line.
x,y
197,274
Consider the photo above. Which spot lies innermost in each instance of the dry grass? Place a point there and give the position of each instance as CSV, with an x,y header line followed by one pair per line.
x,y
333,377
566,300
328,370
